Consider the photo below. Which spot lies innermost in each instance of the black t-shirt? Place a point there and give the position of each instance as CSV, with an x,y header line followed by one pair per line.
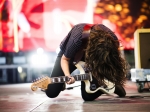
x,y
73,41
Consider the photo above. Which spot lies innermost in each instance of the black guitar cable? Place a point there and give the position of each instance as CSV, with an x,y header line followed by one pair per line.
x,y
69,88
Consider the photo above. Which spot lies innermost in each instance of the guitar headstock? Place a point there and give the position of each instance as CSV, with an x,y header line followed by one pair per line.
x,y
41,83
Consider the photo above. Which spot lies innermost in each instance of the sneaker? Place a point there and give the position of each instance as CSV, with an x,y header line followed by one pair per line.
x,y
120,91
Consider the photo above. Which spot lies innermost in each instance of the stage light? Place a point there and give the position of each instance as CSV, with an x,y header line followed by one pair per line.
x,y
23,23
40,51
125,10
123,14
20,69
118,7
39,58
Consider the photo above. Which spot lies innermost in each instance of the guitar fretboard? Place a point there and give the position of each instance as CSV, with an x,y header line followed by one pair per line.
x,y
62,79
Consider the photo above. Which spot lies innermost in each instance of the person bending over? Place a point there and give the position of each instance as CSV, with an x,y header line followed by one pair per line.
x,y
98,47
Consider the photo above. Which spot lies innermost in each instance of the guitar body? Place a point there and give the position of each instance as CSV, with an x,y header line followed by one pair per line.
x,y
91,85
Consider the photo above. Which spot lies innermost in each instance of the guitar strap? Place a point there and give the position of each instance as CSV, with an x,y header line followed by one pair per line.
x,y
85,35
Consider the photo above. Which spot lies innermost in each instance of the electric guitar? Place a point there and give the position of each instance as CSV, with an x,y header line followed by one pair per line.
x,y
91,85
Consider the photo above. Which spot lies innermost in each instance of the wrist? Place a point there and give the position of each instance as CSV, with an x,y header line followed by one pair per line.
x,y
68,75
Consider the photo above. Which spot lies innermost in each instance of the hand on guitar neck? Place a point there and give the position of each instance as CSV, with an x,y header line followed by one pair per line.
x,y
45,80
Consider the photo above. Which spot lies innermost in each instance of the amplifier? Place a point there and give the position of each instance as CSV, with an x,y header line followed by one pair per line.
x,y
140,75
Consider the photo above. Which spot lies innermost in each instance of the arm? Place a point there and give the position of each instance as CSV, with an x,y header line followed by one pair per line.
x,y
65,68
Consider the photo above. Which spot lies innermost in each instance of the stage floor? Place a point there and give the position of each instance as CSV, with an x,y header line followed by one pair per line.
x,y
20,98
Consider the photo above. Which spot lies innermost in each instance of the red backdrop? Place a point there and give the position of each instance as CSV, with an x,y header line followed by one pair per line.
x,y
44,23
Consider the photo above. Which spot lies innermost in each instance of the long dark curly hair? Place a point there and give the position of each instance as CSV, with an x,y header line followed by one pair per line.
x,y
103,56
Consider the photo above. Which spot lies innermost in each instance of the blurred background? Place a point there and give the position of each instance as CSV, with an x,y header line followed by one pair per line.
x,y
31,31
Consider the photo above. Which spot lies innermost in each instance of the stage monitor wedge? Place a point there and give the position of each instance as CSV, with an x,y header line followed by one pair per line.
x,y
142,48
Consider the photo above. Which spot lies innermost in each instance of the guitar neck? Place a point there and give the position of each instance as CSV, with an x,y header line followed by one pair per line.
x,y
63,79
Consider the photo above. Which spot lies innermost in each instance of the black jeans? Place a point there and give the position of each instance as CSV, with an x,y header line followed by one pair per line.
x,y
53,90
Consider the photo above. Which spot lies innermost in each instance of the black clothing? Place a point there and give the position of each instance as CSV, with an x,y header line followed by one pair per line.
x,y
73,41
53,90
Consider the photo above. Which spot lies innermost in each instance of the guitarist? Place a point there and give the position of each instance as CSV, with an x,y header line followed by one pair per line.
x,y
98,46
